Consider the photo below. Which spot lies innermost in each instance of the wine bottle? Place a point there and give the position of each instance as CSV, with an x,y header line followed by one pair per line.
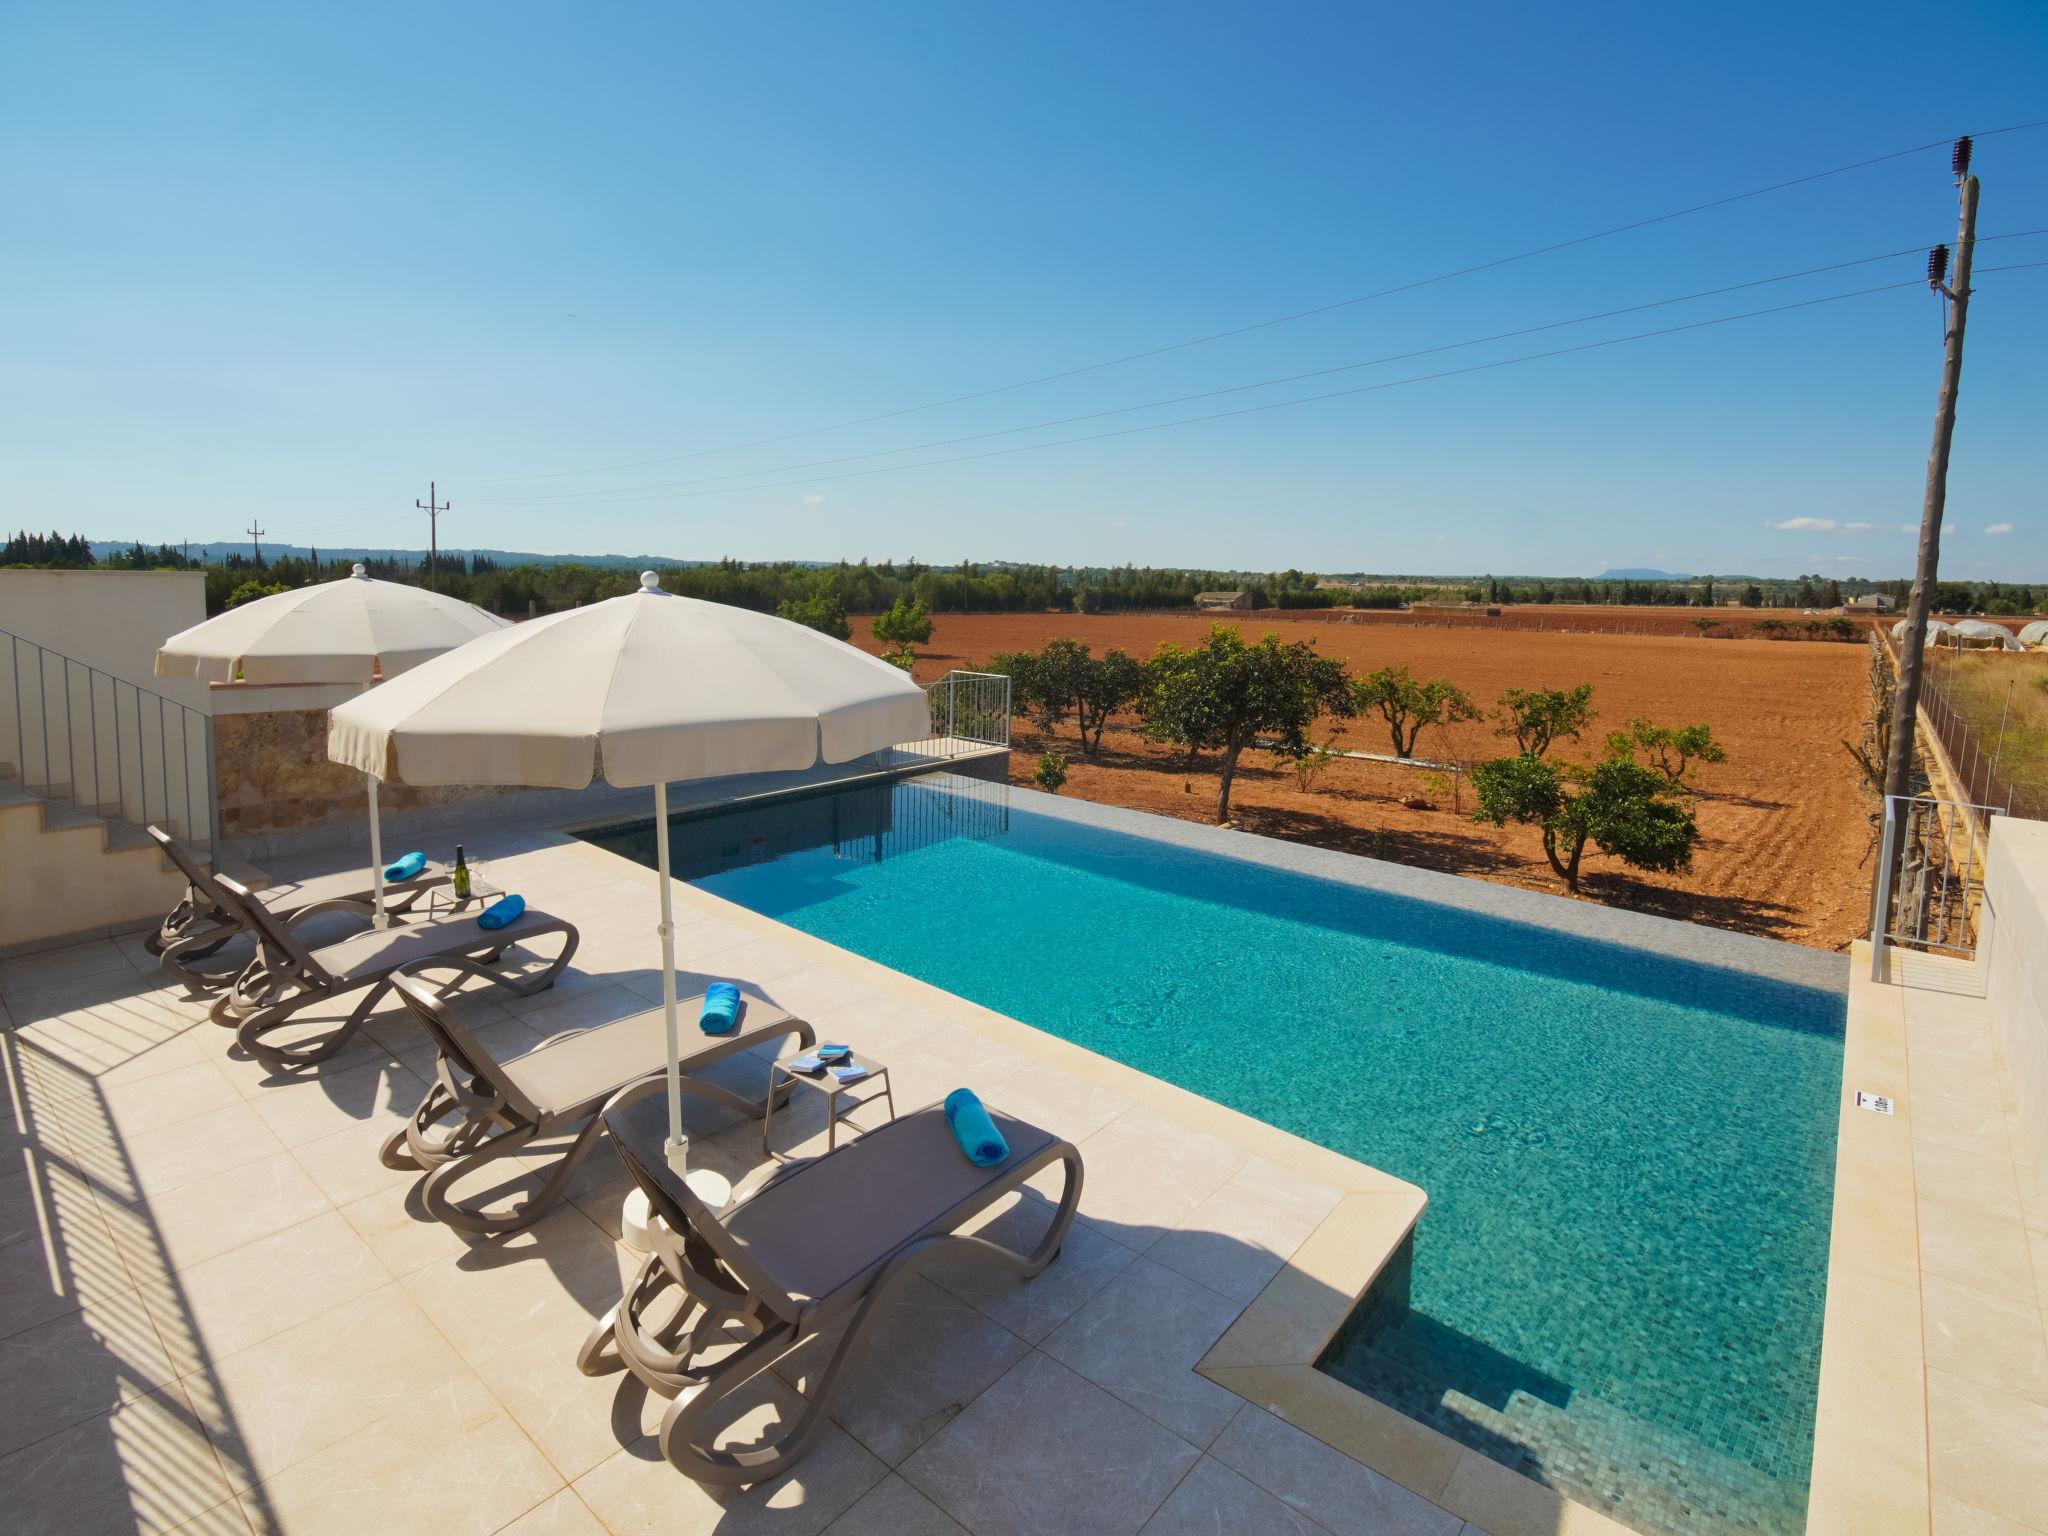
x,y
460,879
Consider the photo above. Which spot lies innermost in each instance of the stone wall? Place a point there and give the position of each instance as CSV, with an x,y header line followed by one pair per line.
x,y
274,776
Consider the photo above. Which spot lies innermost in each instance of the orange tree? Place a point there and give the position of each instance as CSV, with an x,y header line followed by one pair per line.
x,y
1224,695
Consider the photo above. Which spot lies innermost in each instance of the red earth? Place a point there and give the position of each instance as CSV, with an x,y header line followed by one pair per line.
x,y
1785,828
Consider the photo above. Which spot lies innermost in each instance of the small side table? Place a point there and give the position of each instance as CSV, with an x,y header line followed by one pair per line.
x,y
442,898
841,1099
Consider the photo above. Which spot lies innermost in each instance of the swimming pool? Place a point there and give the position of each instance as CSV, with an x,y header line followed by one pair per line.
x,y
1618,1285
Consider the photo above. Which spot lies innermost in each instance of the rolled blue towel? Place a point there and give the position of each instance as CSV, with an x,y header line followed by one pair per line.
x,y
505,909
405,866
974,1130
721,1008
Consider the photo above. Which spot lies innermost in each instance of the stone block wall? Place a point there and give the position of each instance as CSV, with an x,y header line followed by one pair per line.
x,y
273,776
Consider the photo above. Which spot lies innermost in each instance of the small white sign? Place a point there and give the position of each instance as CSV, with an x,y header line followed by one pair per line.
x,y
1881,1102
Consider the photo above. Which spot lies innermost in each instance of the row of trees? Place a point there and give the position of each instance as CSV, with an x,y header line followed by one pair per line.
x,y
873,586
1226,695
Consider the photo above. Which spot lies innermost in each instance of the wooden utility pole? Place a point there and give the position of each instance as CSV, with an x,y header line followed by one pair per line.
x,y
256,540
1898,771
433,512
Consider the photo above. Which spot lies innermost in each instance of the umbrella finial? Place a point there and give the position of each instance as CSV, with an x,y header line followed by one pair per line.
x,y
357,570
649,582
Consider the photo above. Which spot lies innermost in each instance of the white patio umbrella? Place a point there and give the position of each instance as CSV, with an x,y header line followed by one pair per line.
x,y
637,690
346,631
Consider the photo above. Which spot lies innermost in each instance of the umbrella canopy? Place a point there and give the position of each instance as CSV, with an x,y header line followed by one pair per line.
x,y
338,632
640,689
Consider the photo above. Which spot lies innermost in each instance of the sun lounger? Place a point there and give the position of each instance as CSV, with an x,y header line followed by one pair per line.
x,y
200,924
499,1107
803,1250
288,976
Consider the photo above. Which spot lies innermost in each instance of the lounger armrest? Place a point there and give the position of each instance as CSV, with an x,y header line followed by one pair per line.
x,y
468,966
346,904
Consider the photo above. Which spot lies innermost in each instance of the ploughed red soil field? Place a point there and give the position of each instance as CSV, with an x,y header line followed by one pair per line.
x,y
1785,828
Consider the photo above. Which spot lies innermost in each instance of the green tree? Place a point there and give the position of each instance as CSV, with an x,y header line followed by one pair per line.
x,y
1752,596
1050,772
822,611
1409,704
1536,717
903,624
1672,750
1067,680
1227,695
1621,807
249,591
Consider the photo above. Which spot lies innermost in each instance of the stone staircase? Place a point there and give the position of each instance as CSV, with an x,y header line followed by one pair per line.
x,y
74,873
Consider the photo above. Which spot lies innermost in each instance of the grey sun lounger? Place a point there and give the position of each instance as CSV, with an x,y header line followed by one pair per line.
x,y
287,975
499,1107
802,1249
203,921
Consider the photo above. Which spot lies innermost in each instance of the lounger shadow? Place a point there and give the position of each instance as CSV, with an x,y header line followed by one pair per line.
x,y
799,1250
501,1107
287,975
205,920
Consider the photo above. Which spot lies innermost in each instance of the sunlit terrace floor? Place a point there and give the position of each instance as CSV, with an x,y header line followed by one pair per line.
x,y
220,1313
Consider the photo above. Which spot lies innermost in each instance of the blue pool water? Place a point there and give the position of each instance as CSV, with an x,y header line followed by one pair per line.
x,y
1618,1285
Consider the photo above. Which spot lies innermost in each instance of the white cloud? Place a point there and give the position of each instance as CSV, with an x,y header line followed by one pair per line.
x,y
1805,525
1122,522
1857,527
1909,527
812,500
1997,528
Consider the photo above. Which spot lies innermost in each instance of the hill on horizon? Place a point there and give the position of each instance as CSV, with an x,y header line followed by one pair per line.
x,y
1642,573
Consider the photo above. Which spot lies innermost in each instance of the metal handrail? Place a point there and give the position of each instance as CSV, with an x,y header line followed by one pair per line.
x,y
969,708
1930,878
173,790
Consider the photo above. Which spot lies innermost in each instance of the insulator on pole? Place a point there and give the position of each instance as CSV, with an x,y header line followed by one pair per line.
x,y
1959,161
1937,266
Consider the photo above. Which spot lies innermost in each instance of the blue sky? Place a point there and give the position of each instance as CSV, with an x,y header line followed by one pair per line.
x,y
289,262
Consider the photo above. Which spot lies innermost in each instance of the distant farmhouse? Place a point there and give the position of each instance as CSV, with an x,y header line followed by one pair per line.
x,y
1223,600
1871,602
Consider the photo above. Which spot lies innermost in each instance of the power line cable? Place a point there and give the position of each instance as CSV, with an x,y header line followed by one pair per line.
x,y
1337,394
598,498
1287,319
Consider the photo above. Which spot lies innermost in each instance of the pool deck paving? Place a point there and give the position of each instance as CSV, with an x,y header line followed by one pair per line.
x,y
1934,1368
219,1312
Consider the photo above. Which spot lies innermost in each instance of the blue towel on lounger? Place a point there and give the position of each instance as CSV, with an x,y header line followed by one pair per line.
x,y
505,909
721,1008
405,866
974,1130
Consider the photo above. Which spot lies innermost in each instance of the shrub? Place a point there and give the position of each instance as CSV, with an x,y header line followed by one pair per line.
x,y
249,591
822,611
904,624
1623,808
1671,749
1408,704
903,656
1050,773
1538,717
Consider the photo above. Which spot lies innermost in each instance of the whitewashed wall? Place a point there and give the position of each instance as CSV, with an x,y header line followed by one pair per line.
x,y
2016,983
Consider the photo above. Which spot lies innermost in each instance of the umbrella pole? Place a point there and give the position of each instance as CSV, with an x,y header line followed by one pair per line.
x,y
377,857
668,982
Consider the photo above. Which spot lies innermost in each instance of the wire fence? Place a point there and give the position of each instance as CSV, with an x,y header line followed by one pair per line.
x,y
1999,759
1930,887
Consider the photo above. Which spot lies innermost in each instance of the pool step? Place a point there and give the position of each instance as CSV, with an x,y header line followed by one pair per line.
x,y
1641,1473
